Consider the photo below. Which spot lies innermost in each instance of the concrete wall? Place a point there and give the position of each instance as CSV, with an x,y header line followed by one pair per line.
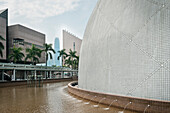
x,y
126,49
3,29
30,37
68,40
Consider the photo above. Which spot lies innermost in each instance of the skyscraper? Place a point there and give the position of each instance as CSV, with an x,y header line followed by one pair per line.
x,y
70,41
57,48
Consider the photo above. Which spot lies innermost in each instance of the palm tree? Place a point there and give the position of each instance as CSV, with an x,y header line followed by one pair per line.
x,y
68,62
1,46
63,55
33,54
72,56
76,62
16,55
47,49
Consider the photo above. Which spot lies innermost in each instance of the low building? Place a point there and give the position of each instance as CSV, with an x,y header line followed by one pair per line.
x,y
24,37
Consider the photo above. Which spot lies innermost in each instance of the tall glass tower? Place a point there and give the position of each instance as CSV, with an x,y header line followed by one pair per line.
x,y
55,61
57,48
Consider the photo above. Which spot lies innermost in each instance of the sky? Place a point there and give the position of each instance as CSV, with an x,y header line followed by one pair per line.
x,y
50,16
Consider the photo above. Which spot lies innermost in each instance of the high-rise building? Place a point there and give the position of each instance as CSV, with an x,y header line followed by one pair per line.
x,y
57,48
4,33
55,60
72,42
50,62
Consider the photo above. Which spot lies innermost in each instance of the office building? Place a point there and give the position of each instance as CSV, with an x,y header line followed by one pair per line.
x,y
24,37
4,33
57,48
72,42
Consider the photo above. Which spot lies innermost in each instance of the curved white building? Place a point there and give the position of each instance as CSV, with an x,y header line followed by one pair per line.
x,y
126,49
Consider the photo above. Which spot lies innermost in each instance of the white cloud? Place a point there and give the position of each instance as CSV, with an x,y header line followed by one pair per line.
x,y
34,9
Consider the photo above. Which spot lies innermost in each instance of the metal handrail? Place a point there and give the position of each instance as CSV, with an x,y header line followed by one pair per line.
x,y
9,66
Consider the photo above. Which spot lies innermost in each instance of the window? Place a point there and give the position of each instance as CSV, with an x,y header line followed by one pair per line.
x,y
74,46
18,41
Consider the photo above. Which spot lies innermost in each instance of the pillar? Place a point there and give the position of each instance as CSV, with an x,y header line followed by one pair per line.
x,y
25,75
35,74
14,75
62,74
45,75
2,75
50,75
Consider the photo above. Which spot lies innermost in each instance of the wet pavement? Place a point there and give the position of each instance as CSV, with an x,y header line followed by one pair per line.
x,y
51,98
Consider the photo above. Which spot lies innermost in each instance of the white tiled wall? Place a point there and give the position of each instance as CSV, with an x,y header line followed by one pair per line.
x,y
126,49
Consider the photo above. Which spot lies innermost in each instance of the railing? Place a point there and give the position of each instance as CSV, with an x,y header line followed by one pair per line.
x,y
15,70
11,66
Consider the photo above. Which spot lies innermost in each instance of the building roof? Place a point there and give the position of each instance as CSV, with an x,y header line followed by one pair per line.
x,y
19,25
1,11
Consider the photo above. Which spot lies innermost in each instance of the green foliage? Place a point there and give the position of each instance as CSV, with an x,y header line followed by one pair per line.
x,y
63,55
16,55
71,59
33,54
68,62
48,49
1,46
54,66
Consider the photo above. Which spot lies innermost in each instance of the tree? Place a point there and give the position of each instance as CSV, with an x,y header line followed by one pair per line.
x,y
68,62
63,55
1,46
16,55
72,56
33,54
71,59
48,49
76,62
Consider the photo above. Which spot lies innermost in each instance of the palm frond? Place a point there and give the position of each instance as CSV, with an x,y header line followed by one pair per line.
x,y
1,38
1,45
51,57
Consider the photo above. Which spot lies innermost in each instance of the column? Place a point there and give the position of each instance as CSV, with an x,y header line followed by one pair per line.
x,y
35,74
45,75
50,75
2,75
25,75
14,75
62,74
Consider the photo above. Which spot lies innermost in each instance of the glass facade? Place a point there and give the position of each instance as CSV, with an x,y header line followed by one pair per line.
x,y
57,48
55,60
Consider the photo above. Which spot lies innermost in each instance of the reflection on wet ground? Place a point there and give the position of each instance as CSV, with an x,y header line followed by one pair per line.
x,y
51,98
